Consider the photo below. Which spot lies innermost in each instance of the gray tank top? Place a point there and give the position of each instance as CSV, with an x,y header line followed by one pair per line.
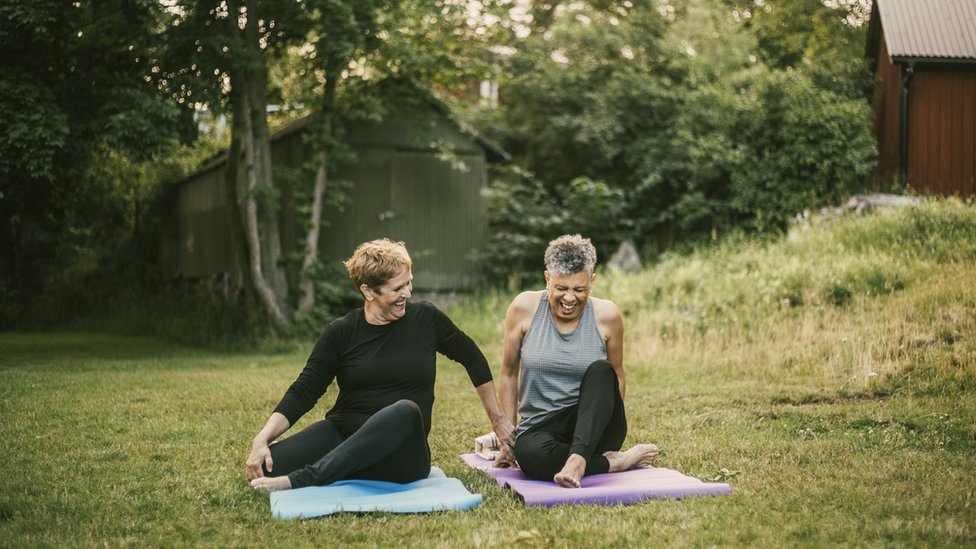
x,y
553,364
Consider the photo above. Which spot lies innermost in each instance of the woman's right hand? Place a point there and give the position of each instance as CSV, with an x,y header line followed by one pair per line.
x,y
260,455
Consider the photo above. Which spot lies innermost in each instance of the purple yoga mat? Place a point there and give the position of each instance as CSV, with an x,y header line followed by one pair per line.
x,y
606,489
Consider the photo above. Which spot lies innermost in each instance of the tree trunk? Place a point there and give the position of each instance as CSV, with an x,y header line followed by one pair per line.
x,y
235,221
249,209
307,300
267,208
248,97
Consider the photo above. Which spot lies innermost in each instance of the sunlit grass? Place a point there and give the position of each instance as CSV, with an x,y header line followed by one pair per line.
x,y
828,376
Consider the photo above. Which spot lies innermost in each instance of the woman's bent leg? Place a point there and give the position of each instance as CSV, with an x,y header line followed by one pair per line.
x,y
542,450
391,445
601,423
595,425
307,446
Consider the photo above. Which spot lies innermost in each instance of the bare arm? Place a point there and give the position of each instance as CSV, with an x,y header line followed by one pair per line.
x,y
517,319
611,325
501,423
260,452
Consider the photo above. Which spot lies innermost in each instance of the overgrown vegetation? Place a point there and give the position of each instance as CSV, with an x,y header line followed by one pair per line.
x,y
699,117
837,421
662,122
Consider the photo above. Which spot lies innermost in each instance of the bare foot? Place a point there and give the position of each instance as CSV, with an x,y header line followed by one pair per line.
x,y
572,472
640,455
271,484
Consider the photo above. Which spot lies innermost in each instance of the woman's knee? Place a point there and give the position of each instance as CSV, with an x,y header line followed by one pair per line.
x,y
600,371
601,367
406,411
407,407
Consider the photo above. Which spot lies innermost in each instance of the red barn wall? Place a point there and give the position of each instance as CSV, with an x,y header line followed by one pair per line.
x,y
942,130
887,118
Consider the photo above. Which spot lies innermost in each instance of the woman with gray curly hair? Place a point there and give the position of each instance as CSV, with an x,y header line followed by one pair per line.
x,y
569,349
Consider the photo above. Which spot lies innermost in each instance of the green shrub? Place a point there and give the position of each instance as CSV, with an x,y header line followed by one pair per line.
x,y
524,216
335,295
800,148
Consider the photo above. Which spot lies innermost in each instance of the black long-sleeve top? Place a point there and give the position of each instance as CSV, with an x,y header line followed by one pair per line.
x,y
376,366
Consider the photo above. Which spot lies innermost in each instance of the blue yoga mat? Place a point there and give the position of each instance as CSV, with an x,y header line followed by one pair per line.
x,y
437,492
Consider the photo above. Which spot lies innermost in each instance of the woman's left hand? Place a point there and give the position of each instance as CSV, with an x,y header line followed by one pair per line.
x,y
505,458
505,432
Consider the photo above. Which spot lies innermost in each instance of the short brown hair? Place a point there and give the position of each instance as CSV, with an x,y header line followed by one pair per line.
x,y
375,262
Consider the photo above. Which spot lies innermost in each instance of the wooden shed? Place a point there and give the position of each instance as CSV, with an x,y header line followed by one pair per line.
x,y
924,59
417,177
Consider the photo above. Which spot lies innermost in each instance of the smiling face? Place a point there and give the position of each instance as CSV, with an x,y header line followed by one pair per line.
x,y
388,302
568,294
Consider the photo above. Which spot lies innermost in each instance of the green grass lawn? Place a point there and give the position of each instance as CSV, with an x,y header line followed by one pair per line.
x,y
829,377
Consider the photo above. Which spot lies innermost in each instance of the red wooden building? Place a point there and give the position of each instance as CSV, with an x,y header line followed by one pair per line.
x,y
924,58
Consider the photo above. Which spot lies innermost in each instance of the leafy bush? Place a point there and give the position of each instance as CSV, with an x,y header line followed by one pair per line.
x,y
799,148
524,216
335,295
700,138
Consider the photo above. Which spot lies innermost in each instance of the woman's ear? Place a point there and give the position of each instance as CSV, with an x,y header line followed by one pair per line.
x,y
366,291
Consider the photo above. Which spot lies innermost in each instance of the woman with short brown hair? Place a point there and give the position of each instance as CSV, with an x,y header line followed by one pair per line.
x,y
383,358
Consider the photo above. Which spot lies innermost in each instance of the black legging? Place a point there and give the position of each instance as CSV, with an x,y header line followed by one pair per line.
x,y
594,425
391,445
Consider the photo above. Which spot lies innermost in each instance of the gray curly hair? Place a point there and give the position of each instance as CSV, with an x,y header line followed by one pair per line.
x,y
570,254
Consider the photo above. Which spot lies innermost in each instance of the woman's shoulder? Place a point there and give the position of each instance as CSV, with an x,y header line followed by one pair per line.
x,y
424,312
338,332
526,302
605,310
423,308
343,324
531,297
348,319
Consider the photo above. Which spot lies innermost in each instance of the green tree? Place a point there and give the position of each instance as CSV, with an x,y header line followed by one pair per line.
x,y
822,37
799,147
692,109
340,33
365,55
360,57
217,53
342,61
525,215
78,120
584,91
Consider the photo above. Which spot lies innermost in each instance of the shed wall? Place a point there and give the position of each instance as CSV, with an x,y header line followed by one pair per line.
x,y
401,188
404,190
942,131
886,104
198,236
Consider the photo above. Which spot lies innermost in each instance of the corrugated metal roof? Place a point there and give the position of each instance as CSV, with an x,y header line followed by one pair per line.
x,y
941,29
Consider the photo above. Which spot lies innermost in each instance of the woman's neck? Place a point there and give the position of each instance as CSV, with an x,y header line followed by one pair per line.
x,y
372,317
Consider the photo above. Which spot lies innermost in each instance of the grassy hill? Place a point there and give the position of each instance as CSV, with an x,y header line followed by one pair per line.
x,y
828,376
